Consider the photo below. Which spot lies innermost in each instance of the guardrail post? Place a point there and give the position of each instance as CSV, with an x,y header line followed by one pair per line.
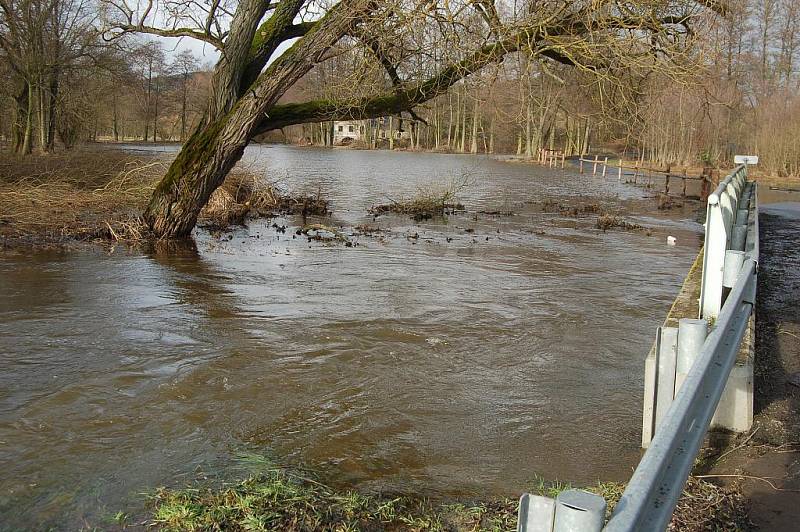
x,y
741,215
667,358
649,402
579,511
571,511
536,513
713,259
733,265
691,337
739,237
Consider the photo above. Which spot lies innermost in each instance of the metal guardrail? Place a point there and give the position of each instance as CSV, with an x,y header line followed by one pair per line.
x,y
655,486
721,221
728,291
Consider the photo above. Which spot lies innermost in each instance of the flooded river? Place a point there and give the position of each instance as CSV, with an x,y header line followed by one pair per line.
x,y
455,358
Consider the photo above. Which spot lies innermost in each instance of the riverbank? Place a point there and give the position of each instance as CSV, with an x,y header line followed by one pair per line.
x,y
279,499
98,194
81,195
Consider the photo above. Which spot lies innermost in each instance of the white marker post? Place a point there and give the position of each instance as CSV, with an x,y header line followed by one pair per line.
x,y
749,160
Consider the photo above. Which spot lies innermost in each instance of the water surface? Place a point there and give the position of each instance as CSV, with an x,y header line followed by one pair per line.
x,y
425,358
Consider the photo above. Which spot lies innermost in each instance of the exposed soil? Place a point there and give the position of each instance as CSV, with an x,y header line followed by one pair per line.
x,y
765,463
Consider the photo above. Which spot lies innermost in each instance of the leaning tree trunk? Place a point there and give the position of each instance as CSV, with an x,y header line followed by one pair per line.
x,y
219,141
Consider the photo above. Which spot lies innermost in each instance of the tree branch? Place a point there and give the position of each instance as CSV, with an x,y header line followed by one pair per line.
x,y
297,30
175,32
393,102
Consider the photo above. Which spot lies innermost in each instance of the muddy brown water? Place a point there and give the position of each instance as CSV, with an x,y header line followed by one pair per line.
x,y
425,359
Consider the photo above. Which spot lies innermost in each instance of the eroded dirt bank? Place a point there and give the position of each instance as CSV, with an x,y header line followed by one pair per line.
x,y
765,463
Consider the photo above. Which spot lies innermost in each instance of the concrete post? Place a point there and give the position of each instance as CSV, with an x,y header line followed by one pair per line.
x,y
579,511
741,216
733,265
739,237
691,337
536,513
649,403
667,358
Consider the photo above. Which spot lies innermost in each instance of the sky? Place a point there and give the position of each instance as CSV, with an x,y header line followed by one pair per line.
x,y
204,52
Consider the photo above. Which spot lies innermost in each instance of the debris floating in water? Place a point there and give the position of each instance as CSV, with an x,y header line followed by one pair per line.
x,y
671,241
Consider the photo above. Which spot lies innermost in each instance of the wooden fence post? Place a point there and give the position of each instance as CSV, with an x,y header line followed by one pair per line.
x,y
684,183
594,168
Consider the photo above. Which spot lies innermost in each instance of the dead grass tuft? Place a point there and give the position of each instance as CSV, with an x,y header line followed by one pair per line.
x,y
428,202
244,195
99,194
611,221
82,195
666,202
554,206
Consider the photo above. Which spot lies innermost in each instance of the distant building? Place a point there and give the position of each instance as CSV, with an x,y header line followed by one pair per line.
x,y
347,131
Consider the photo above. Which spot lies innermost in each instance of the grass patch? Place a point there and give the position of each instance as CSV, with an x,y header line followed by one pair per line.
x,y
553,206
275,498
96,193
245,195
86,194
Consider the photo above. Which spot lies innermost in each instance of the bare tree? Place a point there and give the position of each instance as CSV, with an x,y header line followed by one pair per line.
x,y
43,41
246,86
184,65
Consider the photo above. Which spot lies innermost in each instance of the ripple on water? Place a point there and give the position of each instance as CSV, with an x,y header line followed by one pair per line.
x,y
456,366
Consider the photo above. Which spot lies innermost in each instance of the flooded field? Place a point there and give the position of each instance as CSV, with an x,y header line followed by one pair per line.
x,y
456,358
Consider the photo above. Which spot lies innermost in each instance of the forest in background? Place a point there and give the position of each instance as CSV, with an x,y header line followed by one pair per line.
x,y
63,83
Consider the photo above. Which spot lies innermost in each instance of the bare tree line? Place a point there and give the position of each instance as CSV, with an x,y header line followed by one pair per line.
x,y
736,93
63,82
680,81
